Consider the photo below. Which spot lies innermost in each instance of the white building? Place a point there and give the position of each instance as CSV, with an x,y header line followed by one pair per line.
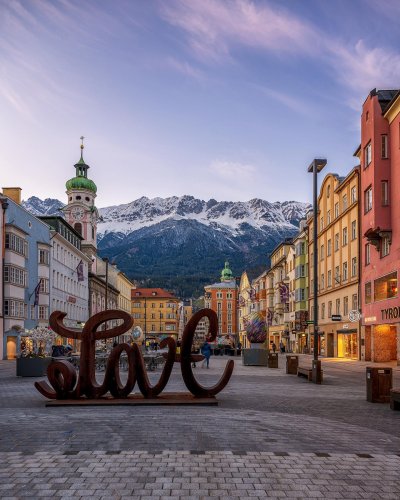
x,y
69,273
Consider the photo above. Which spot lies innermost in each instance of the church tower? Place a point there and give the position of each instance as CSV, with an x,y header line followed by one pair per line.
x,y
80,211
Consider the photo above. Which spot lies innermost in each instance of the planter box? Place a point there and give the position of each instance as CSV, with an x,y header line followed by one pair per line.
x,y
255,357
32,367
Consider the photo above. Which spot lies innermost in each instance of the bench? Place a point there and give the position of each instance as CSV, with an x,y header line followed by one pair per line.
x,y
395,399
304,372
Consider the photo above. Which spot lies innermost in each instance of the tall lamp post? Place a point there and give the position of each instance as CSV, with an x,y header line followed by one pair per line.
x,y
315,167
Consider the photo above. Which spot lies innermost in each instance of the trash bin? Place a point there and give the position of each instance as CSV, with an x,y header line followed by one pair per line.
x,y
292,363
273,360
379,384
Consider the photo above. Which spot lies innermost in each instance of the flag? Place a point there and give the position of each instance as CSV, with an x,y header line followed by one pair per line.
x,y
79,270
36,292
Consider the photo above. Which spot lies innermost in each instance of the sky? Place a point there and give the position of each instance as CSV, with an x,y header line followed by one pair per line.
x,y
217,99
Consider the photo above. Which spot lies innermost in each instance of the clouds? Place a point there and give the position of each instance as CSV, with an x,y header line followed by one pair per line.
x,y
214,28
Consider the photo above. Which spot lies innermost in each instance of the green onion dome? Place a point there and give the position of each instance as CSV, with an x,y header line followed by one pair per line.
x,y
81,181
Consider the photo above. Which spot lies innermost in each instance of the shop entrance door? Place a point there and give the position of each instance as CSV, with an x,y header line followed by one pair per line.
x,y
11,347
347,345
329,346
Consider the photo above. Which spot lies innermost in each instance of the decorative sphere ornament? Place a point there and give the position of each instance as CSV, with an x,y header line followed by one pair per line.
x,y
256,328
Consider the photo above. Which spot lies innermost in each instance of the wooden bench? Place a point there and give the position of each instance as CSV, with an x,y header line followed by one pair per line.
x,y
395,399
304,372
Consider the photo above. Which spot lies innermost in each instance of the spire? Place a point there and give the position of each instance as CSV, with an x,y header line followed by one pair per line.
x,y
226,274
82,148
81,167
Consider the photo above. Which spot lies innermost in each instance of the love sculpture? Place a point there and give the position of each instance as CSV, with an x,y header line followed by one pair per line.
x,y
65,383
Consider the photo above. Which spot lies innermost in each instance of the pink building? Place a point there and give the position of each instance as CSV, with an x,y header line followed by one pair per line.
x,y
379,155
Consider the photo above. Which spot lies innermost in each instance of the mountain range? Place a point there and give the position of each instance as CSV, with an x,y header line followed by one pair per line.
x,y
181,243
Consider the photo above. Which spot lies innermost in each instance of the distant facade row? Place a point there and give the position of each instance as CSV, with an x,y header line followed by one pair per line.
x,y
358,256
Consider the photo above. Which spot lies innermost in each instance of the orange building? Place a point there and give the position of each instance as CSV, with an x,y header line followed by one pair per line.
x,y
155,311
222,298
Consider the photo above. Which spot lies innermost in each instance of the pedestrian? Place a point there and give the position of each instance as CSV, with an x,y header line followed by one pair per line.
x,y
281,347
206,352
273,347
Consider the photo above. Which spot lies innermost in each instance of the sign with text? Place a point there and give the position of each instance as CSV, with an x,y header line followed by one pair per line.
x,y
336,317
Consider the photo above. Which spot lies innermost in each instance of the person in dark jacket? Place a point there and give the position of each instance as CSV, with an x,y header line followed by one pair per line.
x,y
206,352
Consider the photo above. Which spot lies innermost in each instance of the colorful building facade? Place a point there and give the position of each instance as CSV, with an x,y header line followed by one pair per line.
x,y
379,155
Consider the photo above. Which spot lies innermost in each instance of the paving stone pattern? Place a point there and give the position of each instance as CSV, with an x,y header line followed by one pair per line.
x,y
273,435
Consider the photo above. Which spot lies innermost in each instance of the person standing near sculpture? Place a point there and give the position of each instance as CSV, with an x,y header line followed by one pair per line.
x,y
206,352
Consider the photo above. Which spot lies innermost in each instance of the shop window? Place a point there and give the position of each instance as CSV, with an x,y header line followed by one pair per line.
x,y
385,287
368,292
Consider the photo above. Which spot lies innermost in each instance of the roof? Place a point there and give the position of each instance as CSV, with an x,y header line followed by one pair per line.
x,y
385,97
224,284
157,293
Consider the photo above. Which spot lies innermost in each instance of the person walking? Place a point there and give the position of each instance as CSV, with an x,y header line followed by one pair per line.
x,y
206,352
273,347
281,347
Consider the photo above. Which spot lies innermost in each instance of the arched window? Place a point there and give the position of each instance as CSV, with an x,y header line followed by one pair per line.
x,y
78,228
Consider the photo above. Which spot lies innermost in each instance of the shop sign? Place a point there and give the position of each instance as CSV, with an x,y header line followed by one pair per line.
x,y
336,317
390,313
370,319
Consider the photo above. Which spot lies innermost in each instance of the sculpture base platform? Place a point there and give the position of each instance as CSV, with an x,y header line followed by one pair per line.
x,y
164,399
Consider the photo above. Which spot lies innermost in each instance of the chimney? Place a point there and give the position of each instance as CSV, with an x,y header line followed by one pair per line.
x,y
14,193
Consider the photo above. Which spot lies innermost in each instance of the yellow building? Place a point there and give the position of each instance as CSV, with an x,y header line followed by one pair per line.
x,y
155,311
185,312
124,286
338,265
244,307
277,295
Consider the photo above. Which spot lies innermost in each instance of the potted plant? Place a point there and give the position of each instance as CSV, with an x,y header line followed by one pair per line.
x,y
35,352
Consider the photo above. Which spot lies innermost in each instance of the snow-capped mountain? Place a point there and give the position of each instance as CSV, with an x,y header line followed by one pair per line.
x,y
181,243
227,215
49,206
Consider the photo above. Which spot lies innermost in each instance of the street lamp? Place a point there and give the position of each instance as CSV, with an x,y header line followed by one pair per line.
x,y
316,166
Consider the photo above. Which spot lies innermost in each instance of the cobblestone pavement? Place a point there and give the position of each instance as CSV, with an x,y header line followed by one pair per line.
x,y
272,435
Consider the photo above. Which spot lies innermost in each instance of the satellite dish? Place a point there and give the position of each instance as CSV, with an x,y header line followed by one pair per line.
x,y
137,333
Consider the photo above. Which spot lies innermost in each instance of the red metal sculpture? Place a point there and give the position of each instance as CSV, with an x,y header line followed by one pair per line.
x,y
65,384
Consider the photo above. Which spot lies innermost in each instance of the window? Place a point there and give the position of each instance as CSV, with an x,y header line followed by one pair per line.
x,y
229,306
322,252
328,217
43,312
367,154
367,254
136,304
336,210
385,246
44,257
329,278
354,266
136,315
353,230
344,202
322,281
337,275
337,306
44,286
15,275
219,306
368,292
328,191
15,308
16,244
78,228
384,146
329,249
344,236
345,306
354,302
323,310
330,309
368,200
385,287
336,242
353,194
385,193
321,224
345,269
299,294
153,316
219,295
